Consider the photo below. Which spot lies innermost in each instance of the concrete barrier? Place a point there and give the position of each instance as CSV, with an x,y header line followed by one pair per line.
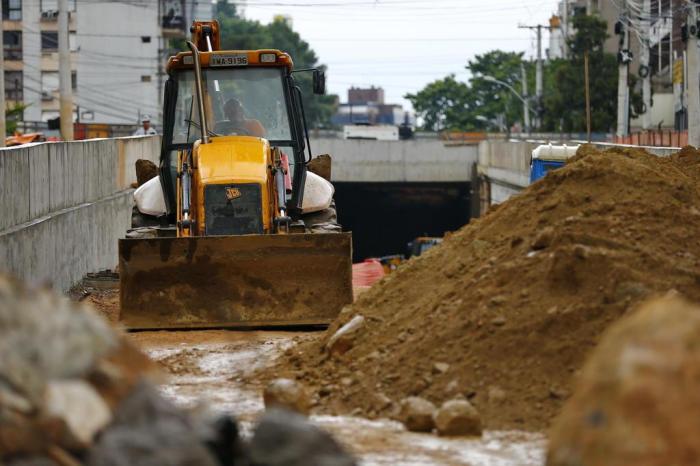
x,y
64,205
413,160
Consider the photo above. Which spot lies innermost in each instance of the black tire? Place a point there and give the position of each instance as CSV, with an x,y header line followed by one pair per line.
x,y
139,220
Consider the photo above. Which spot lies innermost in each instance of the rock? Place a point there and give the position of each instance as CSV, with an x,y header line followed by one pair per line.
x,y
417,414
145,170
440,368
543,239
344,338
499,321
321,166
634,397
79,406
148,429
287,393
44,336
498,300
286,438
457,417
381,401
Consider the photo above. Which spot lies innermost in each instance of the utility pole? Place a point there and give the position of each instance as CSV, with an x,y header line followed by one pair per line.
x,y
526,107
644,64
538,70
623,59
3,127
64,73
588,95
693,79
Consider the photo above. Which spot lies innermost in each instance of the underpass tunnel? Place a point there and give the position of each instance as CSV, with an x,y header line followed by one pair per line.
x,y
385,217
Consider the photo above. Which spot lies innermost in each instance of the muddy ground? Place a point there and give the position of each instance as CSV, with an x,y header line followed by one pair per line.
x,y
214,369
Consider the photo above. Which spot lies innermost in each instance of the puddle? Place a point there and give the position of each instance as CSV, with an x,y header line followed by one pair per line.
x,y
213,371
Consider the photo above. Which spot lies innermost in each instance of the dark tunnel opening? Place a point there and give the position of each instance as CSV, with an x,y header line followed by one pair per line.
x,y
385,217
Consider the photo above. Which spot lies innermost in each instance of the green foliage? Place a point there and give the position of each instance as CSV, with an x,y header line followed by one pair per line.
x,y
443,104
12,116
493,100
448,104
564,97
224,9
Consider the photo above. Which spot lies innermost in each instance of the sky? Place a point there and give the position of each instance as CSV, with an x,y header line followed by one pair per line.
x,y
402,45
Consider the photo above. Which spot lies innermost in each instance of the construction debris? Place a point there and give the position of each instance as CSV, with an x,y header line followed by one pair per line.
x,y
516,299
633,398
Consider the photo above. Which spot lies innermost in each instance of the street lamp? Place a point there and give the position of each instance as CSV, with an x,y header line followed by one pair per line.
x,y
526,105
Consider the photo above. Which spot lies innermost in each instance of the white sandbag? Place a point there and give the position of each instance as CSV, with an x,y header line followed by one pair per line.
x,y
149,197
318,193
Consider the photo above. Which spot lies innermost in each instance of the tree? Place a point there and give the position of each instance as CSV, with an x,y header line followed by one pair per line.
x,y
564,99
12,116
493,100
450,104
242,34
442,105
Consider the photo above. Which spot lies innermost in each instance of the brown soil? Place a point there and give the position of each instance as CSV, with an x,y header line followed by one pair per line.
x,y
515,300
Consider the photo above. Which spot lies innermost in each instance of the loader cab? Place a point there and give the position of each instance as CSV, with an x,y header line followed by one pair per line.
x,y
245,93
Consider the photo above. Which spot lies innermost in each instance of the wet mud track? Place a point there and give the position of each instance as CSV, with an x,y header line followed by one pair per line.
x,y
214,367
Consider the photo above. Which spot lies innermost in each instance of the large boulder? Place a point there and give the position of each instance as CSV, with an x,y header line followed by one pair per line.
x,y
637,398
458,417
416,413
283,437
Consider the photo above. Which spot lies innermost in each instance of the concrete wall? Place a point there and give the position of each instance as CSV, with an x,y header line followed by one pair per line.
x,y
360,160
64,205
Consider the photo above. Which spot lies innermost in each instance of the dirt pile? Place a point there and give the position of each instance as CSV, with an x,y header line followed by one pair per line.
x,y
504,311
631,403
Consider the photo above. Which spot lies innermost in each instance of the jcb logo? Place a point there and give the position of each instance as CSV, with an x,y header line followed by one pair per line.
x,y
232,193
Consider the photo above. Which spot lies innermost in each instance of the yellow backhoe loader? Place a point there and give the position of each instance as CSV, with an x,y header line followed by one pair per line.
x,y
232,250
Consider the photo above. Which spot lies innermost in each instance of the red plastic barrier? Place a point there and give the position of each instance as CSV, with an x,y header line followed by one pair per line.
x,y
366,273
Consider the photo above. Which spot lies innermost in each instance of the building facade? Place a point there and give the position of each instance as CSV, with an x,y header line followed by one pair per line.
x,y
118,53
664,43
367,106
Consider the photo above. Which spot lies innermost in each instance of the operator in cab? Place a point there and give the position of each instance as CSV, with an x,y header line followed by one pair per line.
x,y
238,123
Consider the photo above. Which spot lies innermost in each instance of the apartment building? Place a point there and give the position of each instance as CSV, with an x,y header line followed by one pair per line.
x,y
118,53
664,43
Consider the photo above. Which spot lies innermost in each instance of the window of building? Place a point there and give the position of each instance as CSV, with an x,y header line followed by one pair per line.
x,y
146,39
52,5
146,78
12,45
74,80
14,86
49,82
12,10
49,41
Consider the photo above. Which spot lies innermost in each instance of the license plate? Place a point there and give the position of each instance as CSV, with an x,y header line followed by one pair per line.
x,y
238,59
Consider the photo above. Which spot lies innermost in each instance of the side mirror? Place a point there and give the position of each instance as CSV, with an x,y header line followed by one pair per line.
x,y
319,82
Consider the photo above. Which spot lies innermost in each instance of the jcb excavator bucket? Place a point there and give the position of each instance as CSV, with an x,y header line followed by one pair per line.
x,y
234,281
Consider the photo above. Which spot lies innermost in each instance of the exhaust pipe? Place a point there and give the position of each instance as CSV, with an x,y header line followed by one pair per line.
x,y
200,92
